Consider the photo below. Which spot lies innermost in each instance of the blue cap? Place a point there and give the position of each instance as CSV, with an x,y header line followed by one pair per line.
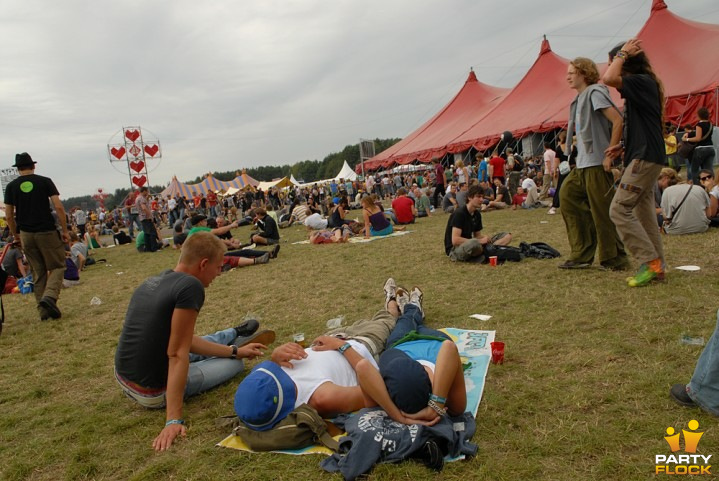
x,y
407,382
265,396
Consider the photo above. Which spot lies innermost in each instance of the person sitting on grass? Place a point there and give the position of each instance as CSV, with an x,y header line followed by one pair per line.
x,y
159,361
463,239
706,179
239,255
519,198
268,234
338,213
449,201
314,220
403,208
375,222
119,237
322,375
422,202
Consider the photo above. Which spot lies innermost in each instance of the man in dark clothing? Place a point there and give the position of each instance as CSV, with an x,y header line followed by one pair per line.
x,y
268,233
30,219
463,240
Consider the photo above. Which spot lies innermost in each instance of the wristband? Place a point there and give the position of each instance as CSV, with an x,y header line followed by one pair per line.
x,y
174,421
437,399
621,54
234,352
344,347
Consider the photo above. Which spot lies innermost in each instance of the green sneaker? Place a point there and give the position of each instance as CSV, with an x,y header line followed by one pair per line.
x,y
643,277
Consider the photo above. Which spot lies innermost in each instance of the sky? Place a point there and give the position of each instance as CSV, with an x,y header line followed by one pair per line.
x,y
225,85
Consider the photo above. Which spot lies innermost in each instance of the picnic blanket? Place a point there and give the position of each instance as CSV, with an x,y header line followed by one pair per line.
x,y
475,352
361,239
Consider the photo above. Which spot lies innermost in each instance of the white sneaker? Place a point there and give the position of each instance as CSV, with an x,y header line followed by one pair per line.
x,y
390,292
415,297
402,298
552,211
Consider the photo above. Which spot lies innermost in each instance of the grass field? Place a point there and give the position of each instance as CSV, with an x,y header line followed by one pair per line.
x,y
582,395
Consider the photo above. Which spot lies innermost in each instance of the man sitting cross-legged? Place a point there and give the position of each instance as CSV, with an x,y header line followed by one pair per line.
x,y
159,361
463,239
322,375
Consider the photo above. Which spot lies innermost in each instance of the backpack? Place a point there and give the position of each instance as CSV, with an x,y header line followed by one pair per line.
x,y
503,253
301,428
539,250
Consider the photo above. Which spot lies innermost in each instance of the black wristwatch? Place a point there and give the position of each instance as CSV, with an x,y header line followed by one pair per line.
x,y
234,352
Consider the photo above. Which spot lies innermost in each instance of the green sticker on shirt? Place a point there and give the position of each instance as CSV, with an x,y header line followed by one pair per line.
x,y
26,186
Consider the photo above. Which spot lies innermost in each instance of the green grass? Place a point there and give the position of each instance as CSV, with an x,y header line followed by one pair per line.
x,y
583,393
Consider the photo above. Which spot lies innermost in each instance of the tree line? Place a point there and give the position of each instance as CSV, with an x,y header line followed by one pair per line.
x,y
303,171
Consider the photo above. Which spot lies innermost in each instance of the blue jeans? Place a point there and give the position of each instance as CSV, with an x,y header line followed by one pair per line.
x,y
704,386
206,373
411,320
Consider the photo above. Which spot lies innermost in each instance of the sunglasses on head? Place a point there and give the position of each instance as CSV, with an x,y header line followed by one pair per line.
x,y
704,178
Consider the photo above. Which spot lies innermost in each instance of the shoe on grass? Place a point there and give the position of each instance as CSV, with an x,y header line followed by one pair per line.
x,y
50,306
678,393
402,298
247,328
552,211
644,276
263,259
430,455
574,265
275,250
390,292
264,337
415,297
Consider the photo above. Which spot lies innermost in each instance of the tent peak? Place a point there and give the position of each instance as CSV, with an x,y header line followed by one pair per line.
x,y
658,5
471,77
545,46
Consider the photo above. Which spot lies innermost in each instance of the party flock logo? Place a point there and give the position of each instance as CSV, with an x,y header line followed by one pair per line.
x,y
689,463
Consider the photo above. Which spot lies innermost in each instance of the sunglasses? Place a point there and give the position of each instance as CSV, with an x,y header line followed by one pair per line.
x,y
704,178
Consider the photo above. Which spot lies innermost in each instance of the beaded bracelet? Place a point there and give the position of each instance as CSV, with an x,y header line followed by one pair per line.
x,y
622,54
436,408
174,421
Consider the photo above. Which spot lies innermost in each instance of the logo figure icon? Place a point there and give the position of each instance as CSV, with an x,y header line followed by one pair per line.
x,y
691,438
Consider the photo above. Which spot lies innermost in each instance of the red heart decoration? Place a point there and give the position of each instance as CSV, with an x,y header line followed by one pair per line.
x,y
151,150
119,153
132,134
139,180
137,166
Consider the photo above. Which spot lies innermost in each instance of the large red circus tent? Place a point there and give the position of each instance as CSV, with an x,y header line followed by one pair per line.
x,y
684,53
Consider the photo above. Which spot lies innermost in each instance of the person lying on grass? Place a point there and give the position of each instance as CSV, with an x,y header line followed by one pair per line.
x,y
420,377
322,376
159,361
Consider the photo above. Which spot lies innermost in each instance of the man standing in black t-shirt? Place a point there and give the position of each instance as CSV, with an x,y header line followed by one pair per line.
x,y
30,219
463,239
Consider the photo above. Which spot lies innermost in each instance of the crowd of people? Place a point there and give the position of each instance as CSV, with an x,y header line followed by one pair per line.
x,y
607,175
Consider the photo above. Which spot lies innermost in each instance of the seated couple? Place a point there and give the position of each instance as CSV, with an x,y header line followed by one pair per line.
x,y
463,239
159,360
393,361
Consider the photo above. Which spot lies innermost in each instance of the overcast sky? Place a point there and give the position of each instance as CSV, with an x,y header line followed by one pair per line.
x,y
231,84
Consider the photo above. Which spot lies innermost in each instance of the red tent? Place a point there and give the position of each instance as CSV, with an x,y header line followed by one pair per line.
x,y
538,103
685,56
430,140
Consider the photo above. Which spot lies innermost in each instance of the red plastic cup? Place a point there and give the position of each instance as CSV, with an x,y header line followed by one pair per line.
x,y
493,261
497,352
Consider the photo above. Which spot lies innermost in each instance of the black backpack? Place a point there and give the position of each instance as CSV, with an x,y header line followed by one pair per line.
x,y
539,250
503,253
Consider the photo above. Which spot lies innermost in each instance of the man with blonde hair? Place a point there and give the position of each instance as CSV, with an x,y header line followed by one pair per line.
x,y
587,191
159,360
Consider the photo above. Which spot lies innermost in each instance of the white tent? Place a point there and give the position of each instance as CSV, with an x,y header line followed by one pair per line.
x,y
293,180
347,173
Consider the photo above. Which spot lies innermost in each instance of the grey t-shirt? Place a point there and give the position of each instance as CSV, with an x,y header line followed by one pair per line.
x,y
691,217
601,130
141,355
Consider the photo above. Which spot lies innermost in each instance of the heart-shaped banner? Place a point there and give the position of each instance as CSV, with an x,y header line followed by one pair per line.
x,y
132,134
137,166
151,150
119,153
139,180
